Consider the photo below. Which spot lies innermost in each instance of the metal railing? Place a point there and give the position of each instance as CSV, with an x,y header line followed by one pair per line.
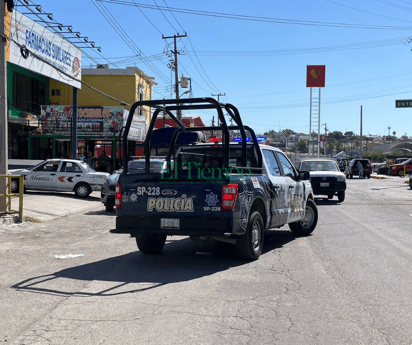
x,y
10,195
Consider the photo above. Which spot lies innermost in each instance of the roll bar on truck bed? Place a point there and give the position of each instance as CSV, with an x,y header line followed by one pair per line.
x,y
169,105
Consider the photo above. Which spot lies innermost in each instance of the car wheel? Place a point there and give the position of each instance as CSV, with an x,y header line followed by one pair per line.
x,y
368,176
250,244
109,208
341,195
400,172
82,190
410,183
330,196
14,186
306,226
351,176
150,243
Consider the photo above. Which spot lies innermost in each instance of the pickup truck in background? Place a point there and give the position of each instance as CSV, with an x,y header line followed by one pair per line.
x,y
399,169
228,191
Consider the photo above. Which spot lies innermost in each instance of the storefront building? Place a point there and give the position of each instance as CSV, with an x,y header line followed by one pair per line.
x,y
98,130
35,89
128,85
28,77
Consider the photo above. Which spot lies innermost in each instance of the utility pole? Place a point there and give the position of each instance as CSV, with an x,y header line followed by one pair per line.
x,y
213,125
218,99
218,95
324,140
175,52
3,109
361,136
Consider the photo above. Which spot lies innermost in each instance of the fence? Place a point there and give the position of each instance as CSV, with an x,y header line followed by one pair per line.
x,y
10,195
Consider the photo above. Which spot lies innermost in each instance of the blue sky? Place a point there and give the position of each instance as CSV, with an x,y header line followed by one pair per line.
x,y
261,64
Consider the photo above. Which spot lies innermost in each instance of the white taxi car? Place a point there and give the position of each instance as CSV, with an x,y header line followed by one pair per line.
x,y
60,175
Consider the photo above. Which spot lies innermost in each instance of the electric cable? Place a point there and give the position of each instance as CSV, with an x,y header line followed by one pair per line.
x,y
261,19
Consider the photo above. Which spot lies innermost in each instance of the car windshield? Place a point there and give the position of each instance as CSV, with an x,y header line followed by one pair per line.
x,y
319,166
407,161
87,167
155,166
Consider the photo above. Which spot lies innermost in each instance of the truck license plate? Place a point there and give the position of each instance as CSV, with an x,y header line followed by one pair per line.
x,y
169,223
324,184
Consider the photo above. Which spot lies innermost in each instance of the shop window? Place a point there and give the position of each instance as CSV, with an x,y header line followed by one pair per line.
x,y
55,92
28,93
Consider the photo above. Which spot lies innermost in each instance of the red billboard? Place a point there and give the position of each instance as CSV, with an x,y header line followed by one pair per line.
x,y
315,76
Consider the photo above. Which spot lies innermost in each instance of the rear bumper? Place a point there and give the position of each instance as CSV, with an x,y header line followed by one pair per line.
x,y
188,226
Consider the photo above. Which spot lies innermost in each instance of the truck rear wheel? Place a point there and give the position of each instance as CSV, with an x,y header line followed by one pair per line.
x,y
250,244
306,226
150,243
341,195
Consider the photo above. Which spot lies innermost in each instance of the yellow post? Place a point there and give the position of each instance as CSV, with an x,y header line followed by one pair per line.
x,y
9,195
9,191
21,192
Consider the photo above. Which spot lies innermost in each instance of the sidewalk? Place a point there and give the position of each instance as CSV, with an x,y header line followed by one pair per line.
x,y
381,177
41,206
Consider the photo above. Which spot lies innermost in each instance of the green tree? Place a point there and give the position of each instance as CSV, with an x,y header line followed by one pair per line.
x,y
339,146
338,135
302,146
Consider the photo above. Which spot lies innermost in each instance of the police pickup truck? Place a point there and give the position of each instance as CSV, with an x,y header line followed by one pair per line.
x,y
229,191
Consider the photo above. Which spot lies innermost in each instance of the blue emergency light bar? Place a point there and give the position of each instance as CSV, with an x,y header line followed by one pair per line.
x,y
239,139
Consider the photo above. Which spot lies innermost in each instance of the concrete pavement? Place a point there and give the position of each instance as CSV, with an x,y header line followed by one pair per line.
x,y
45,206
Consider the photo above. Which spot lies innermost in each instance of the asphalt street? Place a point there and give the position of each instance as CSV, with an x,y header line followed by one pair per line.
x,y
348,283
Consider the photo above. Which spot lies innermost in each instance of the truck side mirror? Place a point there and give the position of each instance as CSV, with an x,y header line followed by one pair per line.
x,y
304,175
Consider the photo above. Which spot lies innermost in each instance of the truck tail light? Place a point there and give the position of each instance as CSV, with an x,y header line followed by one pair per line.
x,y
229,196
118,196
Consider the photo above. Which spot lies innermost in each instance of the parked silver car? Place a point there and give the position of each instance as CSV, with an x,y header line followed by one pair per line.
x,y
135,166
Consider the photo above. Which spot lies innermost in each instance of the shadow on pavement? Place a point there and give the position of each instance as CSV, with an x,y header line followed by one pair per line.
x,y
180,260
327,202
102,212
92,197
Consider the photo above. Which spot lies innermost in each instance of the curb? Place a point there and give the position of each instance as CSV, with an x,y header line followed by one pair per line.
x,y
9,219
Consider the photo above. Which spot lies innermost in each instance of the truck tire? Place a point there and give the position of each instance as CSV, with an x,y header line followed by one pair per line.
x,y
306,226
82,190
109,208
250,244
150,243
330,196
341,195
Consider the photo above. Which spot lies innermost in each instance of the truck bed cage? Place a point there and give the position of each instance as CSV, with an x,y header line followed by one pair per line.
x,y
169,105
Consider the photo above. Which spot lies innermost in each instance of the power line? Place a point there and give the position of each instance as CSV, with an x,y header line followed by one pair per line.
x,y
126,38
66,74
148,19
173,16
368,12
201,66
164,16
390,3
350,46
261,19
